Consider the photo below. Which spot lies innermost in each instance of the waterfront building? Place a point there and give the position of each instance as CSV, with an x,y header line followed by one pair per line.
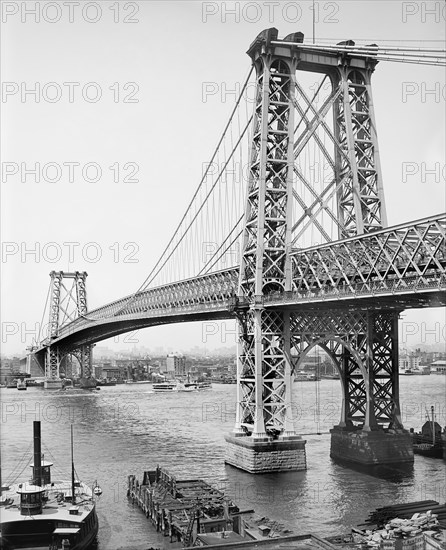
x,y
176,364
409,361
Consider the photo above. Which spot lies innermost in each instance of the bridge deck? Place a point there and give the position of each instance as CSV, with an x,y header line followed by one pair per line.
x,y
396,268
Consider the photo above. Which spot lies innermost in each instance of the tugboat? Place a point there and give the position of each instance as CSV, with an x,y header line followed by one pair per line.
x,y
429,442
47,514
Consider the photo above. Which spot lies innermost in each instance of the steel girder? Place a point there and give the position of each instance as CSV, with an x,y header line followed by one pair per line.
x,y
204,291
407,257
364,347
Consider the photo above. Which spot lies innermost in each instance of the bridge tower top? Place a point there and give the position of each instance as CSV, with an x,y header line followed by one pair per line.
x,y
67,303
313,58
346,119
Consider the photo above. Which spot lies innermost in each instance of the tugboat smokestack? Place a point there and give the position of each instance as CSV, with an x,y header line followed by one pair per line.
x,y
37,454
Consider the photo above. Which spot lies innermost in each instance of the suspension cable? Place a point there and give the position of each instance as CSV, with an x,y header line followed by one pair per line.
x,y
43,313
419,56
225,250
201,182
201,206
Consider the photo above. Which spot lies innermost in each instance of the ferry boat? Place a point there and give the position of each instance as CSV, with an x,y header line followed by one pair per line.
x,y
165,386
176,385
204,386
46,513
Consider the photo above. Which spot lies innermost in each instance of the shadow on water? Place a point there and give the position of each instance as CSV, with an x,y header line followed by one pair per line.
x,y
256,490
389,472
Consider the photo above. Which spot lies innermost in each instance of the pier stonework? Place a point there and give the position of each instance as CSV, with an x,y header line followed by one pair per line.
x,y
258,457
369,448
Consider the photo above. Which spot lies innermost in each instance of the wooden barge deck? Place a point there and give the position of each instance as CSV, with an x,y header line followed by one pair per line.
x,y
178,508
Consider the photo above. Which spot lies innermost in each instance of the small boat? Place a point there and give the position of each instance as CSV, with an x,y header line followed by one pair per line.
x,y
429,442
204,386
48,514
106,382
21,385
96,489
406,372
303,376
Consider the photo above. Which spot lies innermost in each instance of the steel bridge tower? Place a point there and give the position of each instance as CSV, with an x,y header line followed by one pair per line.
x,y
66,303
273,342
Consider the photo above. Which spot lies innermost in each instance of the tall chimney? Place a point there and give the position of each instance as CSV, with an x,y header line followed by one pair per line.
x,y
37,455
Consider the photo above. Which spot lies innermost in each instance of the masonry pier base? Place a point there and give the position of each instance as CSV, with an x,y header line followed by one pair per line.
x,y
53,384
371,447
262,456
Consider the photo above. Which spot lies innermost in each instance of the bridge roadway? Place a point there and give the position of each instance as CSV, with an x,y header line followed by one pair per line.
x,y
399,267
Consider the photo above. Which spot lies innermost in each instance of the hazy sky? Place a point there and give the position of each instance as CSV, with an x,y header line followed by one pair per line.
x,y
120,84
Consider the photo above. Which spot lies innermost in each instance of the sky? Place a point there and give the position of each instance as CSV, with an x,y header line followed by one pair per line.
x,y
119,126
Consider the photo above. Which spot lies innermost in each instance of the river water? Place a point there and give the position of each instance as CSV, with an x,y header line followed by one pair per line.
x,y
127,429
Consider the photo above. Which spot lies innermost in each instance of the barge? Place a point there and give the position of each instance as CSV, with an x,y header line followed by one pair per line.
x,y
194,513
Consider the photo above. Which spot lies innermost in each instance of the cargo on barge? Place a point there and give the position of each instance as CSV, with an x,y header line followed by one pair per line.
x,y
182,508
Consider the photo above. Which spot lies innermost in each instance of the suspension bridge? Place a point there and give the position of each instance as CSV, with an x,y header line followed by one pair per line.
x,y
287,233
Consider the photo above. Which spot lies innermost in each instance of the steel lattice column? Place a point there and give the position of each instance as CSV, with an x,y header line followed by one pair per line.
x,y
81,292
264,369
361,206
85,357
52,361
364,348
382,367
56,282
66,304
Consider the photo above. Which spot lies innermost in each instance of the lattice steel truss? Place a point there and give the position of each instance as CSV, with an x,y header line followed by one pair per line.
x,y
67,303
264,368
406,257
361,206
364,347
341,127
84,354
356,207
